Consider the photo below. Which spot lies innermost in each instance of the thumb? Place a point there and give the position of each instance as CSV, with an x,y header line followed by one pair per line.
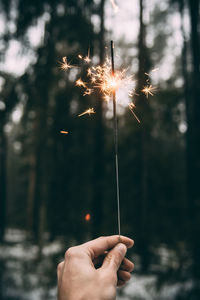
x,y
115,257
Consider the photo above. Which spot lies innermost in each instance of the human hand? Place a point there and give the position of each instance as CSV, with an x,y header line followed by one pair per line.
x,y
93,270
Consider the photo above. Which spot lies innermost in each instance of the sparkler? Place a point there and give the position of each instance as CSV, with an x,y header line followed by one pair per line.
x,y
115,138
107,81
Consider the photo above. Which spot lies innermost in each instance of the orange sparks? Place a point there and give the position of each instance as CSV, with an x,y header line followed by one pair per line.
x,y
80,82
87,217
89,111
131,107
148,90
87,58
64,65
100,77
88,92
64,132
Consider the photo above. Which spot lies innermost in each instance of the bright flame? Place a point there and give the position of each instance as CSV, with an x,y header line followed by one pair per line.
x,y
64,132
100,77
89,111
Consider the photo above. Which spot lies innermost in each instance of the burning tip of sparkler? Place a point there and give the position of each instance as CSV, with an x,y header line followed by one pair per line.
x,y
64,132
89,111
148,90
87,217
64,65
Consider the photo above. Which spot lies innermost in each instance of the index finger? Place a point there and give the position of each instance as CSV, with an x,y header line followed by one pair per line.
x,y
100,245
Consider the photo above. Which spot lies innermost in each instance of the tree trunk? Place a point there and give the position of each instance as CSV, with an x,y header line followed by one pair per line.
x,y
31,193
195,135
99,145
143,137
2,183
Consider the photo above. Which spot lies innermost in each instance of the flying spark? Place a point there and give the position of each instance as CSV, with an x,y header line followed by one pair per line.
x,y
89,111
87,58
115,6
64,65
155,70
80,82
64,132
148,90
131,107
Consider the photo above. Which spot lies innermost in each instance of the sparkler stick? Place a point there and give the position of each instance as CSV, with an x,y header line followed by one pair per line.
x,y
115,141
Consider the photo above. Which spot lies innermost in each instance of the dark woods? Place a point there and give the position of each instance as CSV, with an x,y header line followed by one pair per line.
x,y
50,181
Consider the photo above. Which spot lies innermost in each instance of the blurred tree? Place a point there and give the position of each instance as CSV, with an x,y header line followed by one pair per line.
x,y
99,168
144,143
194,203
9,99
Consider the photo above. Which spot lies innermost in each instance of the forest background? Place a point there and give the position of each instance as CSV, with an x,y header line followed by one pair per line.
x,y
50,181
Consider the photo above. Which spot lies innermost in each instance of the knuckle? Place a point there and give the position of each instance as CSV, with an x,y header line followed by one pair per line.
x,y
71,252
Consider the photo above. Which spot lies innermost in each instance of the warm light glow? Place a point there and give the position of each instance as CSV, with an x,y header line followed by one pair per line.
x,y
87,217
89,111
101,78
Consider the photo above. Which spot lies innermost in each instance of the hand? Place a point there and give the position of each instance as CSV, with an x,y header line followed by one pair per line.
x,y
93,270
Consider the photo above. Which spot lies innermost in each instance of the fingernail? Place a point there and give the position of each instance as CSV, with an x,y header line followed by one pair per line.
x,y
121,248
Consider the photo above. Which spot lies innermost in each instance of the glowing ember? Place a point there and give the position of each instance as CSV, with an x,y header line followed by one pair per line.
x,y
87,217
148,90
64,132
64,65
89,111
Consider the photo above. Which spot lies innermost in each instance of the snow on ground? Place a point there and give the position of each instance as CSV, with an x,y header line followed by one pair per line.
x,y
24,275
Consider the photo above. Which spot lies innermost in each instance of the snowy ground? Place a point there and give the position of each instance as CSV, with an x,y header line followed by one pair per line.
x,y
25,276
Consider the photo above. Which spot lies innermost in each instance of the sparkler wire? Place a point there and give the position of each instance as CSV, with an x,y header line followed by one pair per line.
x,y
116,142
